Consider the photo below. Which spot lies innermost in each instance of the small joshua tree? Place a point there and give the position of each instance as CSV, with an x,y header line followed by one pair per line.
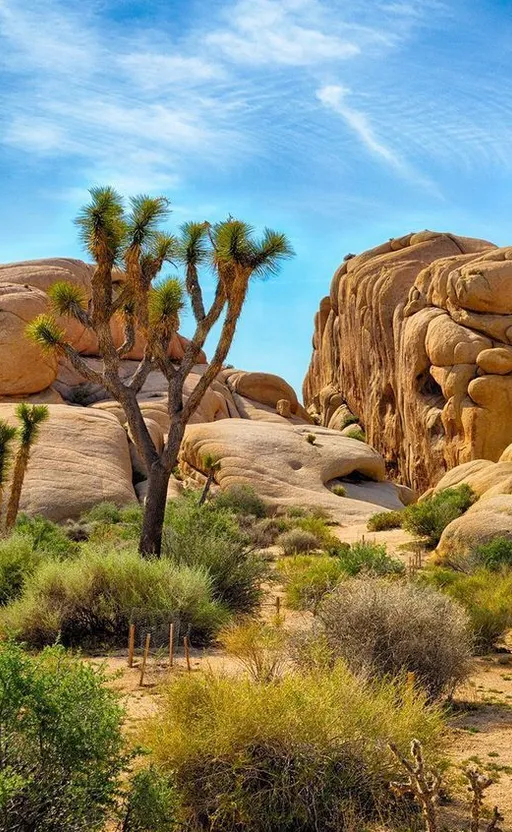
x,y
211,465
132,239
7,434
30,418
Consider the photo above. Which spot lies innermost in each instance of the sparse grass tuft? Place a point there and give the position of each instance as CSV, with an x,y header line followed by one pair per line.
x,y
384,520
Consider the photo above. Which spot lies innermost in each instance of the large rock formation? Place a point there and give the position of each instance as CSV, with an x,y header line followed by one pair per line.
x,y
415,340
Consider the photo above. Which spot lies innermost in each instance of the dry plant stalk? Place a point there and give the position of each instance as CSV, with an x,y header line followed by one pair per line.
x,y
425,786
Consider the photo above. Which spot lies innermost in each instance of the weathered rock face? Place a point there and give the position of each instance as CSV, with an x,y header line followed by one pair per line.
x,y
415,339
81,458
286,470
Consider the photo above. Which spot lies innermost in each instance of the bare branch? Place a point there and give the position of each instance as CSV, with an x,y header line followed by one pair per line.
x,y
129,335
142,372
81,366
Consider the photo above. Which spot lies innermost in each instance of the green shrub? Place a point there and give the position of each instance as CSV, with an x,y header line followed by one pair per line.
x,y
107,523
309,753
241,499
18,560
46,537
297,540
210,539
339,491
307,578
61,743
385,520
262,532
356,433
311,438
486,597
320,529
152,803
386,628
494,555
259,647
427,519
89,601
372,558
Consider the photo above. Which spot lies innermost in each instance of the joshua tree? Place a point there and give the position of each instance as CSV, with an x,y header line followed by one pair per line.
x,y
211,465
7,434
30,417
133,240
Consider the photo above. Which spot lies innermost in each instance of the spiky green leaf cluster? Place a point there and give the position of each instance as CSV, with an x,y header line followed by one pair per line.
x,y
235,244
66,297
146,213
7,434
165,301
30,417
194,245
45,332
210,463
102,225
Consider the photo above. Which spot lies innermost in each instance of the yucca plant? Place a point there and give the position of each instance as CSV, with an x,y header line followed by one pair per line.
x,y
132,239
30,418
211,464
7,434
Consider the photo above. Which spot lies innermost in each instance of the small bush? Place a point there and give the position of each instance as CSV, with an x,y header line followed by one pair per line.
x,y
371,558
210,539
306,754
382,628
262,532
89,601
62,743
18,560
46,537
107,524
152,803
297,540
311,438
494,555
307,578
259,647
339,490
428,518
320,529
356,433
385,520
486,597
241,499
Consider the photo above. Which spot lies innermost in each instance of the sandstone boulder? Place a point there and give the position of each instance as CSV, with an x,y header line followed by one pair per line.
x,y
285,469
24,367
415,339
81,458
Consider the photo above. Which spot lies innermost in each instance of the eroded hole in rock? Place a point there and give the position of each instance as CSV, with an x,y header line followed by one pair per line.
x,y
295,464
428,387
355,477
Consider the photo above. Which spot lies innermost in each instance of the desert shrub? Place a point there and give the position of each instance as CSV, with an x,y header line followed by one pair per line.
x,y
241,499
385,628
210,539
259,647
307,578
339,491
486,597
46,537
356,432
495,555
297,511
427,519
151,804
262,532
372,558
18,560
89,601
306,754
322,531
107,523
297,540
385,520
61,743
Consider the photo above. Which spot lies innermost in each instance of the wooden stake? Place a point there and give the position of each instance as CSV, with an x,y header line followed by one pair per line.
x,y
144,659
131,644
171,643
186,645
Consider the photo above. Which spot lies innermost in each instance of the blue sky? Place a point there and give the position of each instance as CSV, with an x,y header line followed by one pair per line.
x,y
340,122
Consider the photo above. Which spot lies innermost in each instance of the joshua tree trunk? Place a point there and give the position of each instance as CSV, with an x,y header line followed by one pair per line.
x,y
150,543
207,486
20,467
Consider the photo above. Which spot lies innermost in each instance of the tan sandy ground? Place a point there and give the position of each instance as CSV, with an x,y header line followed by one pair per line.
x,y
480,727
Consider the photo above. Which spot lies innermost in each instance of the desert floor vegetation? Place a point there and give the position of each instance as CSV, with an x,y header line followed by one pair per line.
x,y
282,714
